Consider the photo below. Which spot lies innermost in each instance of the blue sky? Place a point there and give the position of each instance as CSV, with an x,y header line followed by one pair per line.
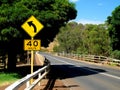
x,y
94,11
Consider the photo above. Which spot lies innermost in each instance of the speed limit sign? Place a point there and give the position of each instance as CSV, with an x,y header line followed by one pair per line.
x,y
32,44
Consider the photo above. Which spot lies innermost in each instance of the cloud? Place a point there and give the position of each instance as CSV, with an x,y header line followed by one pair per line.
x,y
100,4
85,21
74,0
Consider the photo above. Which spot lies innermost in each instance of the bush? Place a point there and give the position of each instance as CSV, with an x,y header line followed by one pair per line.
x,y
56,48
116,54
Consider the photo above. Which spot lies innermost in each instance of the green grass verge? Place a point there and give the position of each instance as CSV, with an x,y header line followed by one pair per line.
x,y
113,64
7,78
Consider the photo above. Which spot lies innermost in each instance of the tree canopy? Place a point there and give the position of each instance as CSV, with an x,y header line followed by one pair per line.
x,y
51,13
84,39
13,13
114,28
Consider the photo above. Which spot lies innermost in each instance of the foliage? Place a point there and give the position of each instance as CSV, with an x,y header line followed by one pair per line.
x,y
114,28
69,38
84,39
13,13
94,41
52,13
115,54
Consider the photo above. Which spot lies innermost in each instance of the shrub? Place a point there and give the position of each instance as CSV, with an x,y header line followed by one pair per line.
x,y
116,54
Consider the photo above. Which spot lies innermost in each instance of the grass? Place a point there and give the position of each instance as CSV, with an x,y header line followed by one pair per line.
x,y
113,64
7,78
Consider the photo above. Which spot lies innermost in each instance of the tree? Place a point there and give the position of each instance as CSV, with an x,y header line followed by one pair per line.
x,y
51,13
84,39
69,38
114,28
94,41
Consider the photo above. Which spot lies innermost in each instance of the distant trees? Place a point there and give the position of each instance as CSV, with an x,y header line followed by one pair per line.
x,y
13,13
113,22
103,39
97,39
114,28
89,39
69,38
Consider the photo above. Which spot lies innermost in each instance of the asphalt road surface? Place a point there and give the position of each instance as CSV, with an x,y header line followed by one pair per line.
x,y
87,76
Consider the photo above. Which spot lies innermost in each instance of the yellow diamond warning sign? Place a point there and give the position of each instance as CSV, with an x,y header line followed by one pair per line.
x,y
32,26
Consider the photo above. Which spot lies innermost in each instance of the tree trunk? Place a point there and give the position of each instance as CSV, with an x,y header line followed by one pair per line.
x,y
12,53
14,47
12,61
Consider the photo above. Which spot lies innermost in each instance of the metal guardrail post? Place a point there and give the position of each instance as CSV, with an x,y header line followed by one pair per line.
x,y
39,75
27,84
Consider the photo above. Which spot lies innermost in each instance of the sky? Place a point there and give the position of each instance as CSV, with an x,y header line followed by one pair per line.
x,y
94,11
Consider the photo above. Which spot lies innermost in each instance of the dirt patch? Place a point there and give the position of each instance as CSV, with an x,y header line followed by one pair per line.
x,y
51,85
3,87
45,84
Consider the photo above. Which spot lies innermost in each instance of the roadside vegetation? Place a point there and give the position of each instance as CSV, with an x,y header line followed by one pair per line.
x,y
102,39
8,78
13,13
84,39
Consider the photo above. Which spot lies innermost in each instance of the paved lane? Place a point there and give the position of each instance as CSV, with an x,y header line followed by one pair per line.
x,y
87,76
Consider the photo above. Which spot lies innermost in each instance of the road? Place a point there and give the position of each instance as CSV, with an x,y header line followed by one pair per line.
x,y
87,76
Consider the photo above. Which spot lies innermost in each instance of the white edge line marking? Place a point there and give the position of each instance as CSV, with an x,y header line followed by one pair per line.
x,y
109,75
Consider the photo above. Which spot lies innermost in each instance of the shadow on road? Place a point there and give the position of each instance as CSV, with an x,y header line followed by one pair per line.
x,y
59,72
68,71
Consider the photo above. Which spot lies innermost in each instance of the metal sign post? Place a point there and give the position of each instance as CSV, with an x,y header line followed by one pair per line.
x,y
32,57
32,26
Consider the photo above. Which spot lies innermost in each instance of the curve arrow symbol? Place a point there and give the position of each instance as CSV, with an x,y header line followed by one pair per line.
x,y
30,23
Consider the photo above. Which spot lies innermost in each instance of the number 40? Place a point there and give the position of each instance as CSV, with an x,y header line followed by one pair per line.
x,y
32,43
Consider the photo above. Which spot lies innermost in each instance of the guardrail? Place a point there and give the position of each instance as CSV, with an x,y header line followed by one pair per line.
x,y
41,73
92,58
